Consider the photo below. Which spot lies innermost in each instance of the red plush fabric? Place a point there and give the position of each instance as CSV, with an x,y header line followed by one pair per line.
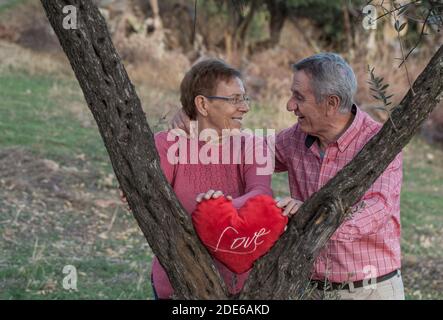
x,y
237,239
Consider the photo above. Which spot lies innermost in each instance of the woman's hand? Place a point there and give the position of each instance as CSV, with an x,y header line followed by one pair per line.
x,y
211,194
289,206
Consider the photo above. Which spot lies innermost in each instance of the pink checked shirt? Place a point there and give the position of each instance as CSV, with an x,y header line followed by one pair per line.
x,y
367,244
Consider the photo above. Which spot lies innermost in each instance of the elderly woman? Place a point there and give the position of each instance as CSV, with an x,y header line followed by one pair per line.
x,y
212,95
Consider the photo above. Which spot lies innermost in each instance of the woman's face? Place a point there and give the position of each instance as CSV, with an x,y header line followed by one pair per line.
x,y
226,114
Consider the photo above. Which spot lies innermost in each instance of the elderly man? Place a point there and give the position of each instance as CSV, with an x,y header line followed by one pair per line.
x,y
362,258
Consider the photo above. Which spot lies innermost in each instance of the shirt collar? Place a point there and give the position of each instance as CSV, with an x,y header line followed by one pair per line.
x,y
309,141
346,138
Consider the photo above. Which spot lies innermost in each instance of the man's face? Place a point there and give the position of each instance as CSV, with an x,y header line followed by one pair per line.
x,y
311,115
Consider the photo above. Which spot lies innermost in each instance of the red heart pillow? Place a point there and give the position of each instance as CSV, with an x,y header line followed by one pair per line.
x,y
237,239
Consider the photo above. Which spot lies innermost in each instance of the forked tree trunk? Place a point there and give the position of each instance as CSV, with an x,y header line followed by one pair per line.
x,y
284,272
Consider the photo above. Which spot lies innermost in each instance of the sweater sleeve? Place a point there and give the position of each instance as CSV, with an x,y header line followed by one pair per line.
x,y
256,173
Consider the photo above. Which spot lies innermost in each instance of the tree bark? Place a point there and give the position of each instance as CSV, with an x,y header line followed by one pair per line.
x,y
235,33
116,108
348,31
284,272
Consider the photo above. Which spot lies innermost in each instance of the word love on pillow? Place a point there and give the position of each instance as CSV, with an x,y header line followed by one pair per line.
x,y
238,238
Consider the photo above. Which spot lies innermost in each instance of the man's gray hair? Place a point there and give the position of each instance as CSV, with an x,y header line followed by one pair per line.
x,y
330,75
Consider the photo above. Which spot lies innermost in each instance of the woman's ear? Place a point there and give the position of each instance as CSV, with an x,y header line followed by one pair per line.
x,y
202,105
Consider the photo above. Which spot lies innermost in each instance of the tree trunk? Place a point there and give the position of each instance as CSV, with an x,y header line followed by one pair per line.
x,y
278,12
236,32
349,47
129,141
284,272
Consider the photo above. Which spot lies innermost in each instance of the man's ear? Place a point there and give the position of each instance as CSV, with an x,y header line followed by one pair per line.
x,y
202,105
332,104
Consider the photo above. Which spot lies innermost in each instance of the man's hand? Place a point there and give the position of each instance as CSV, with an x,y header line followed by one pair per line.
x,y
211,194
289,205
180,121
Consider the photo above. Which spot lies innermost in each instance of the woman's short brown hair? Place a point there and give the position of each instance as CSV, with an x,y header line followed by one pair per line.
x,y
202,79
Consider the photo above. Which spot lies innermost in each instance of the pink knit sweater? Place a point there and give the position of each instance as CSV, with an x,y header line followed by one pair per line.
x,y
188,180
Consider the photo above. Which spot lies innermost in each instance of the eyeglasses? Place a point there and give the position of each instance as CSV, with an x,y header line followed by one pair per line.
x,y
235,99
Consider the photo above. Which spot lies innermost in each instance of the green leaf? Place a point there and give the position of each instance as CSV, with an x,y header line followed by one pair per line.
x,y
403,9
380,108
380,80
397,25
402,26
376,97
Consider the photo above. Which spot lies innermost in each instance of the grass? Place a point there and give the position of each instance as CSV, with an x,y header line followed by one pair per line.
x,y
421,200
112,257
32,120
39,244
40,239
98,276
10,4
422,220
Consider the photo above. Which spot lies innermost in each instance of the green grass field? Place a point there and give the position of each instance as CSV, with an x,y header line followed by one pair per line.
x,y
43,232
9,4
59,203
